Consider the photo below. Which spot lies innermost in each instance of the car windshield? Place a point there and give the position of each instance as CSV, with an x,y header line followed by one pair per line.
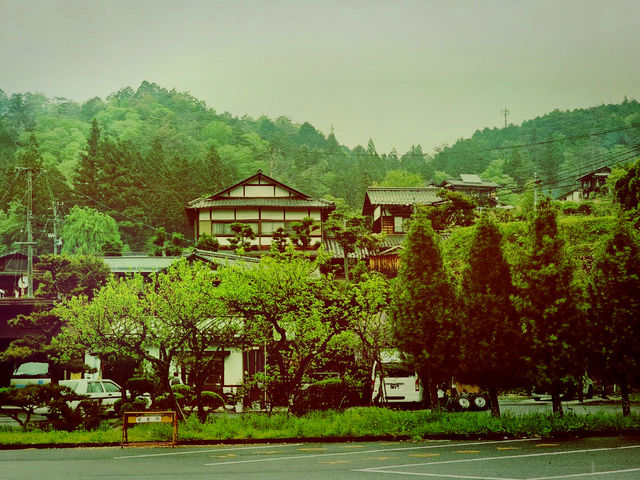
x,y
110,387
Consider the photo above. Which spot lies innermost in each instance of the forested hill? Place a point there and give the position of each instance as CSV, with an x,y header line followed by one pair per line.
x,y
558,147
151,150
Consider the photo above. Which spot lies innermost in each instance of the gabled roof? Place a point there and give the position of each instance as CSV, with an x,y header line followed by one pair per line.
x,y
399,196
600,172
258,202
469,180
224,198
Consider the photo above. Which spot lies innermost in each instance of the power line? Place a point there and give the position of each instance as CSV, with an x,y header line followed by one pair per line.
x,y
97,202
564,182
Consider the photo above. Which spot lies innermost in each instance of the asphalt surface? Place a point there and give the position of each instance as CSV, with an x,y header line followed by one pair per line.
x,y
608,458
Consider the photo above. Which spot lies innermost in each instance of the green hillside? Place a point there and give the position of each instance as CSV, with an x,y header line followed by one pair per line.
x,y
558,147
154,149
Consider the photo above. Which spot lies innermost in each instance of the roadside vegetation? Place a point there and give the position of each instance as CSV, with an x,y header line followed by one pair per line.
x,y
357,424
502,305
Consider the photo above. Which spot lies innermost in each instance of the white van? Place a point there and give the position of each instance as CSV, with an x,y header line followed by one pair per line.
x,y
400,385
31,373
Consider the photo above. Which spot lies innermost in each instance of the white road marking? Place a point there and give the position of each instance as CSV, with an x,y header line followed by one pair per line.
x,y
337,454
440,475
386,469
575,475
214,450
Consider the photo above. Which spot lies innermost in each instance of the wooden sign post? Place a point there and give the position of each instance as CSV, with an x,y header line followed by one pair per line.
x,y
130,419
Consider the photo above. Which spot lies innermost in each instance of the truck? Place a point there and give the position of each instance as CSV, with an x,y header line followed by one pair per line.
x,y
396,384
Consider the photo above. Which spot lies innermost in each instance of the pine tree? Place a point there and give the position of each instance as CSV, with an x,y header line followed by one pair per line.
x,y
547,301
86,180
423,304
615,309
491,334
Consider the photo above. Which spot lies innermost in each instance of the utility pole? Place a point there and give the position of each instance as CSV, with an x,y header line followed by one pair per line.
x,y
56,240
535,190
505,112
30,243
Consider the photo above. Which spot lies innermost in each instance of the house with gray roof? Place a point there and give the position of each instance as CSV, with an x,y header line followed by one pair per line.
x,y
262,203
390,207
593,182
485,192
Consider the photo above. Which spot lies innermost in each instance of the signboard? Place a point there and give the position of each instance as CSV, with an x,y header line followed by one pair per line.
x,y
131,419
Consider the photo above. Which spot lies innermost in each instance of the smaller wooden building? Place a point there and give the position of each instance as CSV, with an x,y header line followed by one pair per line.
x,y
390,207
593,182
485,192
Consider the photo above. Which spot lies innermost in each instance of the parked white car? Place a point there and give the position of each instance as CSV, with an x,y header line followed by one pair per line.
x,y
400,385
105,391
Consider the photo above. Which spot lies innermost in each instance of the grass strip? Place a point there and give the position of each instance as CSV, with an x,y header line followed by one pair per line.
x,y
353,424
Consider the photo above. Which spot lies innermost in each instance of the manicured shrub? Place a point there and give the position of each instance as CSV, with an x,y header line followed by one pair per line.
x,y
136,405
328,394
212,400
138,386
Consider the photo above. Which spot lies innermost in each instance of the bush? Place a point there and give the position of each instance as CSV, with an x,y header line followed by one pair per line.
x,y
135,405
212,400
329,394
70,411
138,386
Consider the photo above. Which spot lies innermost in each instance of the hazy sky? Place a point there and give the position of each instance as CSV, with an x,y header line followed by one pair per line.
x,y
400,72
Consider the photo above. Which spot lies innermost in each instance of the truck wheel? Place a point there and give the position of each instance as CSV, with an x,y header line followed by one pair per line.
x,y
463,403
480,402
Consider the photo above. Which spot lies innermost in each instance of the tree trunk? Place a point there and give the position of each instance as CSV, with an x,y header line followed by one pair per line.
x,y
580,389
432,388
493,398
557,404
624,394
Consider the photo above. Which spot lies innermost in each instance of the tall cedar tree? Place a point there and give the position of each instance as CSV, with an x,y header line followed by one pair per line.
x,y
423,304
615,308
490,338
86,181
547,301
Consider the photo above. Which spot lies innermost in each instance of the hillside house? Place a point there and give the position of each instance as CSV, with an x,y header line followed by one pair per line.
x,y
389,209
593,182
485,192
260,202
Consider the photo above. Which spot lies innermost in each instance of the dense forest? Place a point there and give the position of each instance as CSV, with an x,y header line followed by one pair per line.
x,y
139,155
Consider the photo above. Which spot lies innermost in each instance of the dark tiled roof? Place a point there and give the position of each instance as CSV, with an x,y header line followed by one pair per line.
x,y
461,183
403,196
389,241
390,244
600,172
258,202
221,199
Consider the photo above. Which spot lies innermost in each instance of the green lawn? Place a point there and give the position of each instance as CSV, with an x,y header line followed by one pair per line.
x,y
356,423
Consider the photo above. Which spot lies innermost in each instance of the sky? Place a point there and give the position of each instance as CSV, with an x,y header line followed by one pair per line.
x,y
399,72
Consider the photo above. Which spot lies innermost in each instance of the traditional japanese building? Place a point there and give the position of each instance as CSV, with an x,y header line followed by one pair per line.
x,y
593,182
260,202
485,192
390,207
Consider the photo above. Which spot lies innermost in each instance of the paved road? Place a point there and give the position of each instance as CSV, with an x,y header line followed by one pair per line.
x,y
531,459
